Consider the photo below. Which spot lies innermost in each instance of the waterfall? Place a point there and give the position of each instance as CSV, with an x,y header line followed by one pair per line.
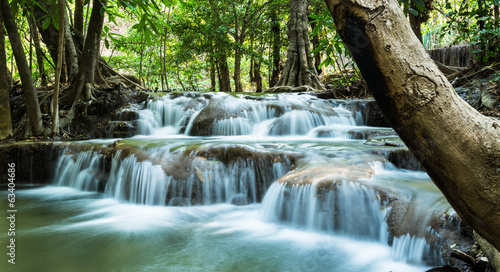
x,y
232,127
167,113
224,115
80,172
137,182
410,249
181,163
142,182
351,210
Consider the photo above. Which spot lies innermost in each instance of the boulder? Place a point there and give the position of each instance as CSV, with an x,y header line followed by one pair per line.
x,y
219,108
368,133
239,200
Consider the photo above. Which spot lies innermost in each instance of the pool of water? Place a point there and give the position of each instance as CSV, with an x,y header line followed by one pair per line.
x,y
63,229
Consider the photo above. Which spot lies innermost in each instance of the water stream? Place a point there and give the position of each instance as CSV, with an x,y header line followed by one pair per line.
x,y
205,186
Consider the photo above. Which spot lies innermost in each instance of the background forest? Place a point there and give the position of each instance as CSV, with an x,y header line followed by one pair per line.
x,y
206,45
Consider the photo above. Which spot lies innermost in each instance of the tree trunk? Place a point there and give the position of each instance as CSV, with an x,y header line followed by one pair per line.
x,y
70,49
299,68
415,22
5,85
497,16
32,107
276,32
50,37
85,78
78,23
257,78
212,76
57,81
38,50
225,83
238,87
458,147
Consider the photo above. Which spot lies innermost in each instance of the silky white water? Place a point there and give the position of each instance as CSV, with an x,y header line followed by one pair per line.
x,y
168,208
63,229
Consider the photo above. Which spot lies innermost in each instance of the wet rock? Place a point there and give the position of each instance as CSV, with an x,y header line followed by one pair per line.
x,y
445,268
490,95
375,117
121,129
327,176
126,115
368,134
401,158
34,161
385,141
178,201
219,108
239,200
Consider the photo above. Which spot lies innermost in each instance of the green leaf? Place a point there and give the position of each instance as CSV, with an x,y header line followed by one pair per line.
x,y
419,4
413,11
46,23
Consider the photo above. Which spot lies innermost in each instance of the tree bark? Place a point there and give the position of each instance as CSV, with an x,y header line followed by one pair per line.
x,y
5,85
276,34
78,23
212,76
50,37
257,78
88,63
299,68
32,107
60,52
225,83
70,49
38,50
458,147
497,16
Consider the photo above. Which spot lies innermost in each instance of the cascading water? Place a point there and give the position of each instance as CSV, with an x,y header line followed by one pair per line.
x,y
351,210
80,172
187,155
142,182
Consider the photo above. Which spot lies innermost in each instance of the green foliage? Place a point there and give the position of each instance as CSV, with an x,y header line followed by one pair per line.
x,y
473,23
336,55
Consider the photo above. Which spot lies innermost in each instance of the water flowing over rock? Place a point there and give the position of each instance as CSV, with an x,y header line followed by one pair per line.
x,y
348,200
309,165
153,177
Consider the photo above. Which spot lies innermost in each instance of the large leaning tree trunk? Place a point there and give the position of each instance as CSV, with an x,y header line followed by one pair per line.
x,y
5,84
458,147
299,67
32,106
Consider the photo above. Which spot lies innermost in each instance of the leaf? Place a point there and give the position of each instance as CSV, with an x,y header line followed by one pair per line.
x,y
199,173
420,4
413,11
46,23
